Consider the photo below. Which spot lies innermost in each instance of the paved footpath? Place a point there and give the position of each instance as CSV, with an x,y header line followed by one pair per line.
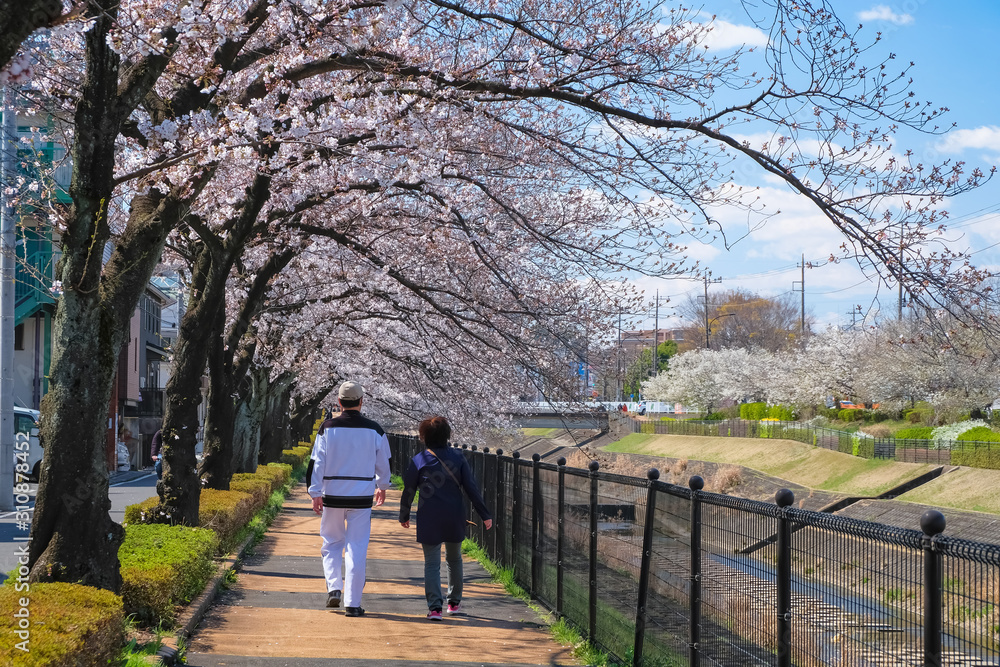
x,y
276,615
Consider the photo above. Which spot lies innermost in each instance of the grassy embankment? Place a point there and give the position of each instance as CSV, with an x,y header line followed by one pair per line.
x,y
809,466
814,467
542,432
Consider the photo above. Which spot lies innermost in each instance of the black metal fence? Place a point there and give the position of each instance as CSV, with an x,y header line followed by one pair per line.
x,y
957,452
657,574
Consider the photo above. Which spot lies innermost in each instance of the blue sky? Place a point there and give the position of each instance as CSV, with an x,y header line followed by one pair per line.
x,y
954,48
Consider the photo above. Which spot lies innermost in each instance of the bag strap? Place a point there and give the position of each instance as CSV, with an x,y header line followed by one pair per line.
x,y
446,468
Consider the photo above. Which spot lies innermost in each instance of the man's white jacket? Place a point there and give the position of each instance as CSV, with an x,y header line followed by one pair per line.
x,y
350,458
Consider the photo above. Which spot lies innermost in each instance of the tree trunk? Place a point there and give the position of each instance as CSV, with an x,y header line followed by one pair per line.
x,y
217,465
305,412
72,536
274,429
180,488
20,19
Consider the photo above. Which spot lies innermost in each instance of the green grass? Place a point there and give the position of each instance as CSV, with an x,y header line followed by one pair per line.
x,y
629,443
561,631
541,432
136,654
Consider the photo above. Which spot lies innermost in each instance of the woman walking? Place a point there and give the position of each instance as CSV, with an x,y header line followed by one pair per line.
x,y
441,474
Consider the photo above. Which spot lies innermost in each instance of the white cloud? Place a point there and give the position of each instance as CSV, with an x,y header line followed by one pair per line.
x,y
885,13
718,34
986,137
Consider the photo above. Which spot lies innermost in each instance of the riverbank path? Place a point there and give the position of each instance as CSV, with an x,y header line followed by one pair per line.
x,y
275,613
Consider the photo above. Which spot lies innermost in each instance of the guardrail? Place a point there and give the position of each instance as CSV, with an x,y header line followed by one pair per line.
x,y
657,574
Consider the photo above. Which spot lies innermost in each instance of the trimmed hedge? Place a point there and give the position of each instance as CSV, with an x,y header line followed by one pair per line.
x,y
225,512
913,433
69,624
280,474
753,411
296,456
140,512
980,434
163,566
976,458
781,413
258,486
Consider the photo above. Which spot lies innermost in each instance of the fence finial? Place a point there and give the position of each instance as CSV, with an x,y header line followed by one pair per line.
x,y
784,497
536,457
594,466
486,450
499,452
561,461
653,474
516,455
932,523
696,483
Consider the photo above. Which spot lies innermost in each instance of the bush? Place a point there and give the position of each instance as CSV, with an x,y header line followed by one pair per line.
x,y
140,512
852,415
981,457
829,413
715,416
980,434
914,433
647,427
297,456
753,411
163,566
257,486
781,413
70,625
226,513
668,419
921,413
280,474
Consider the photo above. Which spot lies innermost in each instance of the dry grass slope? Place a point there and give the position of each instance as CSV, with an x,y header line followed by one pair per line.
x,y
803,464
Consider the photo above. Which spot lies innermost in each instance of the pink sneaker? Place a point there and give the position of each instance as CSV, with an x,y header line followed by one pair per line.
x,y
454,609
434,615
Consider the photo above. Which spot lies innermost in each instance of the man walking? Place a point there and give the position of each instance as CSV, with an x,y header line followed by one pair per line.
x,y
350,461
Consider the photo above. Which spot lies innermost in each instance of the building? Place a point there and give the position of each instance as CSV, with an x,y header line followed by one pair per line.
x,y
634,342
139,385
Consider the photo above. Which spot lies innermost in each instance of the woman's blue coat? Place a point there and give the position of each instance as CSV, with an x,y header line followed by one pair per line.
x,y
440,508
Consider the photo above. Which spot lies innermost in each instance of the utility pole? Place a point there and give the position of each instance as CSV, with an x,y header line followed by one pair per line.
x,y
656,337
802,288
707,330
8,137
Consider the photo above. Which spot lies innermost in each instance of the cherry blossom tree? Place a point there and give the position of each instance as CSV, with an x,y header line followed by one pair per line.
x,y
482,174
19,21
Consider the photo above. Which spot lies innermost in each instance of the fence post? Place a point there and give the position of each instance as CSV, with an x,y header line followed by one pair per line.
x,y
560,534
696,484
499,514
536,506
646,560
515,523
592,597
784,498
933,524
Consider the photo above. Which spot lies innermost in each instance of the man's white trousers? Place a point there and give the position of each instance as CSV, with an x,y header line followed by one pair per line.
x,y
345,534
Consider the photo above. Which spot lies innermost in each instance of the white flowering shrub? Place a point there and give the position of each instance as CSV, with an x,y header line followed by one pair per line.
x,y
943,436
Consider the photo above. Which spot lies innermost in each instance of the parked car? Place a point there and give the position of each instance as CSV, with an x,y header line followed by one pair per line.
x,y
26,424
